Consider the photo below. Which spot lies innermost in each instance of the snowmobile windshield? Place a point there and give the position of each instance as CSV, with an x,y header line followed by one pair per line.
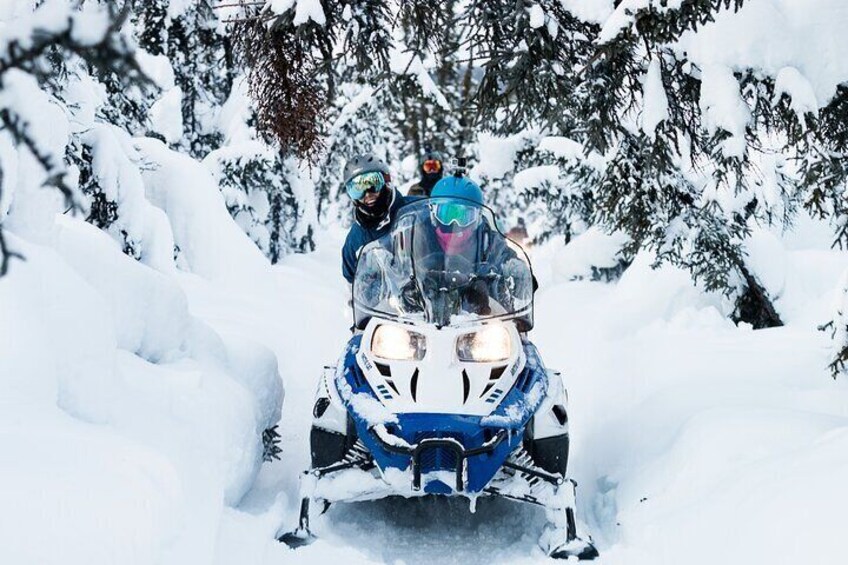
x,y
443,262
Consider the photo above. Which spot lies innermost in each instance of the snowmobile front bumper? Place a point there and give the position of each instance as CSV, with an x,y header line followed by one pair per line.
x,y
397,445
357,479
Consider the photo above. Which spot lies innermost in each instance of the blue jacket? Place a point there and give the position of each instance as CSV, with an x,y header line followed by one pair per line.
x,y
359,236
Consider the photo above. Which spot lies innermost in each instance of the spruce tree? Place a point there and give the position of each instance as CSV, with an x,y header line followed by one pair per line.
x,y
646,189
51,56
189,35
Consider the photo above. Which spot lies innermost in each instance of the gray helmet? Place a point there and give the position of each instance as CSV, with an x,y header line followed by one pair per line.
x,y
365,163
434,155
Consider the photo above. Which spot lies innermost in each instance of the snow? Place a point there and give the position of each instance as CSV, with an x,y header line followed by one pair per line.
x,y
177,8
791,82
719,428
497,154
209,243
655,109
591,249
770,35
8,180
309,10
53,16
112,456
536,177
305,10
133,390
348,112
166,115
115,165
41,116
281,6
686,429
537,16
570,150
404,63
90,24
157,68
724,108
149,312
596,11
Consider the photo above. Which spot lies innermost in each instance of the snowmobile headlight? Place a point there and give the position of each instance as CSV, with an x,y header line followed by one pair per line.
x,y
397,344
489,344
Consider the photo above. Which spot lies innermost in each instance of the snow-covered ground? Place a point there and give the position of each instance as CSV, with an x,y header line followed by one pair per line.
x,y
132,402
694,441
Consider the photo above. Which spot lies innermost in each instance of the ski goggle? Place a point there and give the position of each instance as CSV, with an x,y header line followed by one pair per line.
x,y
366,182
457,213
431,166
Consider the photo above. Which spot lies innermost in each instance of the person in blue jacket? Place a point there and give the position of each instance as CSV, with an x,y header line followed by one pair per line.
x,y
368,182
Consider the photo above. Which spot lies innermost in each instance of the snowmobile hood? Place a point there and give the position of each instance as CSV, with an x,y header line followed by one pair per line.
x,y
452,453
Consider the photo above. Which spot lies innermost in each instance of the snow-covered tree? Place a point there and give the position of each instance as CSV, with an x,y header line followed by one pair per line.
x,y
354,77
46,65
189,35
679,174
214,117
684,157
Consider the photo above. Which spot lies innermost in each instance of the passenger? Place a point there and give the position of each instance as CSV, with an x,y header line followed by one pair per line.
x,y
432,169
368,182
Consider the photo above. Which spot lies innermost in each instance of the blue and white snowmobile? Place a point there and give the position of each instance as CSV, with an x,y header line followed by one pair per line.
x,y
439,391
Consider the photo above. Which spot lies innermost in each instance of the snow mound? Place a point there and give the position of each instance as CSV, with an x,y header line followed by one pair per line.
x,y
591,255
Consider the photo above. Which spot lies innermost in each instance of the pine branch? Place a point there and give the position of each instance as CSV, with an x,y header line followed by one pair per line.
x,y
6,255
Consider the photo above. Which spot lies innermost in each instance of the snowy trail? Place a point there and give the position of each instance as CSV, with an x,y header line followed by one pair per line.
x,y
685,429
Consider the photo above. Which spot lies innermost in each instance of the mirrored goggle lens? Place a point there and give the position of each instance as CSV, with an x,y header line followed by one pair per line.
x,y
432,166
458,214
366,182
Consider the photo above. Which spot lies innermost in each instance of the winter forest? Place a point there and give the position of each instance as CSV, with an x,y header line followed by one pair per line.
x,y
174,200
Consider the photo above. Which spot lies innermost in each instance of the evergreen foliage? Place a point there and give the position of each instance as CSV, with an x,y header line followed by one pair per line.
x,y
271,449
201,57
349,86
667,186
207,72
49,55
188,40
540,68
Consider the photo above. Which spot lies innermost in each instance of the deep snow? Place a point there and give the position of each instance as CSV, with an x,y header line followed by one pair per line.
x,y
694,441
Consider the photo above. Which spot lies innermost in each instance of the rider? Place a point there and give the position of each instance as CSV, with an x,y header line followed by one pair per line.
x,y
432,169
367,181
457,216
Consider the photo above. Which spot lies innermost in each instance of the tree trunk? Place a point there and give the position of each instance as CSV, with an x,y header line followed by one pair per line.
x,y
754,306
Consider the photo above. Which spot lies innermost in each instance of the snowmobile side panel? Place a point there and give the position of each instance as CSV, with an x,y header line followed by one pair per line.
x,y
326,447
550,453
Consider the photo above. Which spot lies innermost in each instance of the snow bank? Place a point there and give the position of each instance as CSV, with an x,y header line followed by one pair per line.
x,y
586,256
694,439
208,242
149,311
126,424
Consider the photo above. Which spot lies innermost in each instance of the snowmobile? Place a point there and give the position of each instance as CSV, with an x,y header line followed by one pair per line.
x,y
439,391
